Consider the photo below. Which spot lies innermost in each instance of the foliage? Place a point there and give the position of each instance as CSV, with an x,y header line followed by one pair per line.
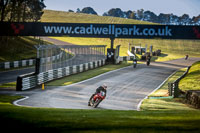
x,y
21,10
18,48
88,10
152,17
192,80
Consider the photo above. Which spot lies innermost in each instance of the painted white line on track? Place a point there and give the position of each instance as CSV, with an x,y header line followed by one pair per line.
x,y
140,103
16,102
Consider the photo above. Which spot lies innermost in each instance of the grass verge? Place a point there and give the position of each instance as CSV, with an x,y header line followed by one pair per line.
x,y
192,80
25,119
159,100
18,48
10,86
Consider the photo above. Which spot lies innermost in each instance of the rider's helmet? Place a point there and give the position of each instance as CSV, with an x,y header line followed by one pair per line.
x,y
104,86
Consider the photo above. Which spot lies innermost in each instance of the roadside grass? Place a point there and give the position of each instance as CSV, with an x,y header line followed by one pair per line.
x,y
192,80
86,75
70,17
166,57
25,119
167,104
159,100
10,85
18,48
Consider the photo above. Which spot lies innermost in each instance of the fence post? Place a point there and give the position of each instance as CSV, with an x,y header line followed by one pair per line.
x,y
37,66
170,88
176,90
19,84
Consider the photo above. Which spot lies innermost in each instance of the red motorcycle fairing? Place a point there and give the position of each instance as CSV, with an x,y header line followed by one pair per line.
x,y
98,95
96,99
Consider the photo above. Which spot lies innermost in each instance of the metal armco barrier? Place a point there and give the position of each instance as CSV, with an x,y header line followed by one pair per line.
x,y
25,81
17,64
31,80
173,88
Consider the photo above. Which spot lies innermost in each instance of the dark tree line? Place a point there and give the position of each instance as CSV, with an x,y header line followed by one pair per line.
x,y
21,10
152,17
146,16
87,10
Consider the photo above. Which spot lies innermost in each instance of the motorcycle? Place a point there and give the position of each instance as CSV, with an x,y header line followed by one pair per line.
x,y
134,64
148,63
97,98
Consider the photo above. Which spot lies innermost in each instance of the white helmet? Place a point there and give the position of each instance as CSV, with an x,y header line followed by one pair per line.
x,y
104,86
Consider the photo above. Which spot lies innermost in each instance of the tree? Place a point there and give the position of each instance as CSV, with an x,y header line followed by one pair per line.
x,y
70,10
78,10
105,14
196,20
127,14
185,19
132,15
21,10
116,12
89,10
174,20
164,18
3,6
150,16
140,14
36,8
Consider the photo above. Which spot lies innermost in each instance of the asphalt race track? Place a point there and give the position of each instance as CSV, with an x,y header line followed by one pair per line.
x,y
126,88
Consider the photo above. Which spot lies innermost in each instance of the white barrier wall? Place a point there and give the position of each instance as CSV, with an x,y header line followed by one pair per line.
x,y
28,82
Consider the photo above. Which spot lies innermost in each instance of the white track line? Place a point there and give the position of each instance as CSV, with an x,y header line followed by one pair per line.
x,y
16,102
140,103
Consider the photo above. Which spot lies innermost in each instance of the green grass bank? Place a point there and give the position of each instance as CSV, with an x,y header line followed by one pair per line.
x,y
69,120
192,79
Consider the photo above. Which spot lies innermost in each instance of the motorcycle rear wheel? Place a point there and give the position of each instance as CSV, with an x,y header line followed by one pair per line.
x,y
97,103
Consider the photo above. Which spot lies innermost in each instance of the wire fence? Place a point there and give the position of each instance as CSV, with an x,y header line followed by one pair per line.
x,y
54,57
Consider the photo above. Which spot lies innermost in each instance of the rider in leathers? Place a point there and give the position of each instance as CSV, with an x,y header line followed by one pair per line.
x,y
98,90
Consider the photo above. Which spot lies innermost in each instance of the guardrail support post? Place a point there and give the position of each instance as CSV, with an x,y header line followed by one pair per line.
x,y
170,88
19,84
176,90
37,66
112,43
